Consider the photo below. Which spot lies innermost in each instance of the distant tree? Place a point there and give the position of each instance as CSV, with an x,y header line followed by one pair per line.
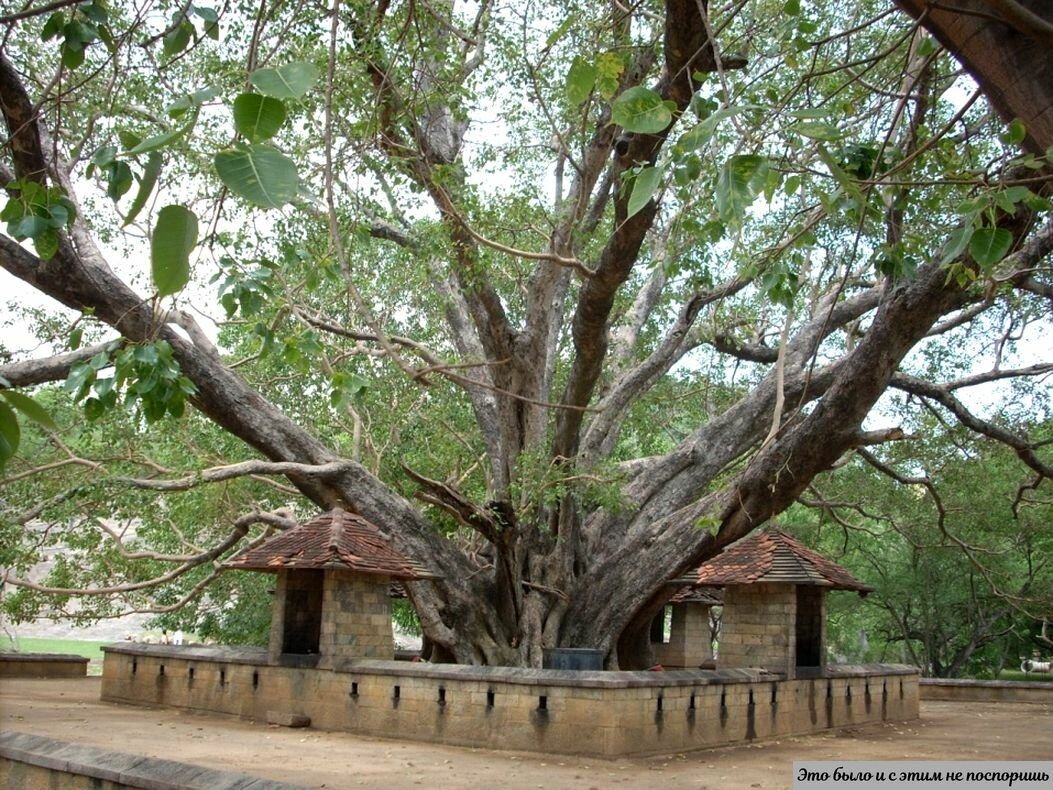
x,y
955,539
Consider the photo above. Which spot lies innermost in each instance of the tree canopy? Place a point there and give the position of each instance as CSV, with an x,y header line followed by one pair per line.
x,y
565,297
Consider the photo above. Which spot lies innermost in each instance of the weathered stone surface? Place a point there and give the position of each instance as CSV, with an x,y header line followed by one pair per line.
x,y
47,762
285,719
501,707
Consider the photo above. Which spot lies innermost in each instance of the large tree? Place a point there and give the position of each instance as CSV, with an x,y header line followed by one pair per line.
x,y
651,266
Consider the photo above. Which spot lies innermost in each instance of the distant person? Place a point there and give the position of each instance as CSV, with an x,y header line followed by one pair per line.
x,y
177,637
164,637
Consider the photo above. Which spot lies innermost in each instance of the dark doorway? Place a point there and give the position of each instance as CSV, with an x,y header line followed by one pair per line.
x,y
661,626
303,611
809,626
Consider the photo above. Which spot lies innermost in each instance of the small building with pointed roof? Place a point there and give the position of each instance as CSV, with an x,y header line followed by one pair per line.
x,y
681,633
332,599
774,602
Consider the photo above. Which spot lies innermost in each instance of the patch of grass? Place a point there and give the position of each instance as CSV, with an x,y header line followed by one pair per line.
x,y
91,650
77,647
1031,677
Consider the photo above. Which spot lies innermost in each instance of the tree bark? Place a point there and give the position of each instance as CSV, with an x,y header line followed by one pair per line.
x,y
1007,46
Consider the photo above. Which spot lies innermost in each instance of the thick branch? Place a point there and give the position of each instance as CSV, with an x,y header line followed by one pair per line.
x,y
942,395
40,371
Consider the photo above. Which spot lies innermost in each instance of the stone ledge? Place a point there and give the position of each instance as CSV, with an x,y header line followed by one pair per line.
x,y
42,665
43,657
127,770
957,690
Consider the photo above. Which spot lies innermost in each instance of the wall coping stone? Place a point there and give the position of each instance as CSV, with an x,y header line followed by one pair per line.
x,y
44,657
988,684
129,770
517,675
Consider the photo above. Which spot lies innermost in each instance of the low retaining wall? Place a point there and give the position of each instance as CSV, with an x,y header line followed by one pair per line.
x,y
42,665
986,690
605,714
32,761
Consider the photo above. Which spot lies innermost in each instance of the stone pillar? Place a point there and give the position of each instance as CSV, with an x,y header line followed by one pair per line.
x,y
278,619
758,628
356,618
689,642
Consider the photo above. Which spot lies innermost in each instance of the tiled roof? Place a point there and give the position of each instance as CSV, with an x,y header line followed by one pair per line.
x,y
703,595
774,556
336,539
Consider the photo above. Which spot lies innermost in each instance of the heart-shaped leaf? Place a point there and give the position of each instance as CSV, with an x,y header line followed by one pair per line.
x,y
259,173
644,186
175,235
258,117
580,79
642,110
740,181
290,81
989,245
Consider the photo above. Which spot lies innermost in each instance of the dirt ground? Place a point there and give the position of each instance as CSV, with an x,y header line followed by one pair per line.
x,y
70,710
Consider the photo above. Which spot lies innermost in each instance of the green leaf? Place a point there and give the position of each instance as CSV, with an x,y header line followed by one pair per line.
x,y
642,110
700,134
290,81
72,54
740,180
818,130
989,245
157,141
259,173
1016,133
79,380
956,243
258,117
146,186
120,180
96,12
46,244
190,101
580,80
644,186
792,7
177,40
28,227
74,338
175,235
560,31
10,434
128,140
53,26
609,69
30,408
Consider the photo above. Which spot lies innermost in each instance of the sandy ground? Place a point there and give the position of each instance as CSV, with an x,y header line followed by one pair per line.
x,y
70,710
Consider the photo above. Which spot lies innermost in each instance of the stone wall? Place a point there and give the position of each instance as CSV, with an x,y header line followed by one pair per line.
x,y
356,618
604,714
959,690
689,637
42,665
757,628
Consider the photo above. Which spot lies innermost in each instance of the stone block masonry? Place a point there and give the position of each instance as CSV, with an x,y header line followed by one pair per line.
x,y
758,627
42,665
601,714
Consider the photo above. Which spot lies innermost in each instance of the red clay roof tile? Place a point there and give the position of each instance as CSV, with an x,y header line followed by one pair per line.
x,y
336,539
774,556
